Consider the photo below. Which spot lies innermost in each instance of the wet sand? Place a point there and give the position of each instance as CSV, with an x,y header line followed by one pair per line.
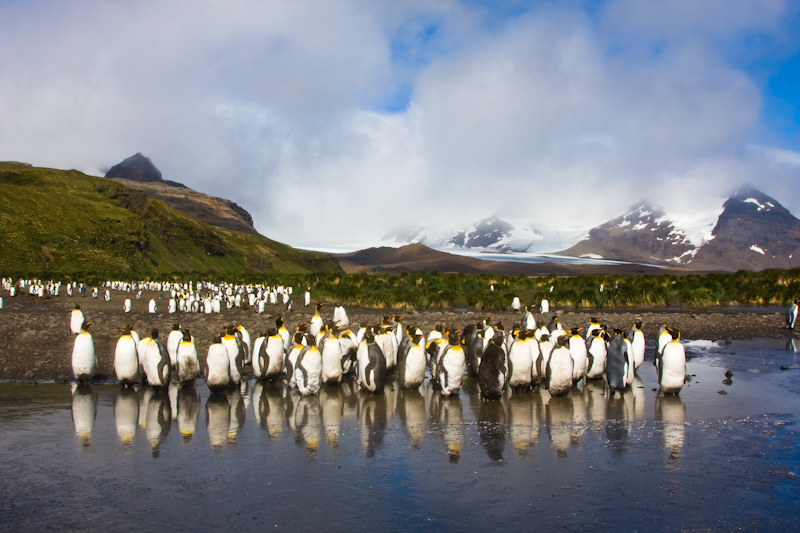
x,y
36,344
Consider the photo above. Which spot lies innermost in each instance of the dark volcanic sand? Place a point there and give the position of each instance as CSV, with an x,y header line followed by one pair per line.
x,y
35,341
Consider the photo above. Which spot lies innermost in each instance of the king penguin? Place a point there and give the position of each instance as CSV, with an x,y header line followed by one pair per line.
x,y
173,339
308,371
558,375
217,366
492,371
452,365
84,359
75,320
791,315
636,337
596,351
126,359
371,364
671,366
616,362
186,355
316,321
520,361
411,366
156,363
235,355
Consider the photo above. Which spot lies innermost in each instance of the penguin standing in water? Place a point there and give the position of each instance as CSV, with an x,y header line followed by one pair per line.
x,y
84,359
596,351
371,364
580,356
791,315
273,355
126,359
671,366
259,347
558,375
451,366
173,340
616,362
308,371
75,320
244,345
664,338
235,355
411,363
636,337
156,363
492,372
217,366
331,360
520,361
186,355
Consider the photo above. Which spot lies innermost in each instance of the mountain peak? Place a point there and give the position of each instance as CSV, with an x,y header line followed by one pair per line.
x,y
135,168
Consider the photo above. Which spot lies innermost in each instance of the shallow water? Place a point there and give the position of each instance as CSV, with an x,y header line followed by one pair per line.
x,y
104,458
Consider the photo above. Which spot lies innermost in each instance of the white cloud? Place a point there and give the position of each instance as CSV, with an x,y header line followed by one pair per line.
x,y
559,115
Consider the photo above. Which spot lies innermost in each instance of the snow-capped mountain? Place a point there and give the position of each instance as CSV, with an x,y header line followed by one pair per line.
x,y
753,232
490,234
750,231
642,235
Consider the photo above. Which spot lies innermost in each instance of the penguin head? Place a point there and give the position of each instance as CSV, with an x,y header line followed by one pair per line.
x,y
497,340
217,339
176,327
452,338
77,307
187,335
319,306
154,334
85,325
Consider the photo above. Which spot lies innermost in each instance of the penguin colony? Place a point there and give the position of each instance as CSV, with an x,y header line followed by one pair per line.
x,y
324,352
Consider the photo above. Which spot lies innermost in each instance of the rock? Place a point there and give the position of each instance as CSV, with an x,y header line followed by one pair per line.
x,y
135,168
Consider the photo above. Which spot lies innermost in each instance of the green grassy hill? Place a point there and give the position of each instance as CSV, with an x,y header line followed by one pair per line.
x,y
56,223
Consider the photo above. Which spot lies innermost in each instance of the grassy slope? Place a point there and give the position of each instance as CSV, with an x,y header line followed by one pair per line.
x,y
65,223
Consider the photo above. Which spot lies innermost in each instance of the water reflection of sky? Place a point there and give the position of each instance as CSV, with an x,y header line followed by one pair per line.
x,y
412,459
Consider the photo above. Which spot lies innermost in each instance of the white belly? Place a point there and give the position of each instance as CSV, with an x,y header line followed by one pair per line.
x,y
84,360
126,359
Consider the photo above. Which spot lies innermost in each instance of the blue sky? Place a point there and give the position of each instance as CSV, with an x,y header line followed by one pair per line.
x,y
336,121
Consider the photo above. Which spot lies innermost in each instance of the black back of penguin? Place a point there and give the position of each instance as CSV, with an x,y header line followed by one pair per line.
x,y
616,361
492,371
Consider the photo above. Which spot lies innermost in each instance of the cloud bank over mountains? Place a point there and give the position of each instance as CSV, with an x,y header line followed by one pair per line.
x,y
335,121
